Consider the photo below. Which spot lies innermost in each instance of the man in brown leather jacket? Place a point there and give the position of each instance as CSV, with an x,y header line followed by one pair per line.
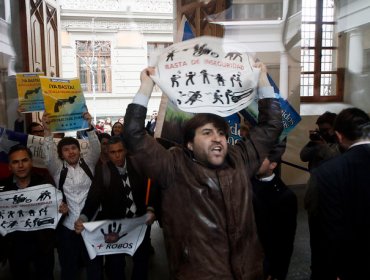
x,y
208,218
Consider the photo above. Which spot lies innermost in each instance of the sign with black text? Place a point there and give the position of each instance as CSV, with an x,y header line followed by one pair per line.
x,y
114,236
30,209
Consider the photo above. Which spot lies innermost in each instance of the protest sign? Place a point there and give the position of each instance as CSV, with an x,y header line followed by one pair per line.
x,y
175,116
64,102
114,236
204,75
29,92
289,116
9,138
29,209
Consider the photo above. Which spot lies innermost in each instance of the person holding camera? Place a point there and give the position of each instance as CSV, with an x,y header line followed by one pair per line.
x,y
323,144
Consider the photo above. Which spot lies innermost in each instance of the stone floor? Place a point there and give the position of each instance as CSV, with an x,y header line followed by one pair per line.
x,y
299,267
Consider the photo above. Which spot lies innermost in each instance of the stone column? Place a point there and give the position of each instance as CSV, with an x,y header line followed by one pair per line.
x,y
284,75
355,52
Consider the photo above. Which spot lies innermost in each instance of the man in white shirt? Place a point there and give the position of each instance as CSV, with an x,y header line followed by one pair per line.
x,y
73,176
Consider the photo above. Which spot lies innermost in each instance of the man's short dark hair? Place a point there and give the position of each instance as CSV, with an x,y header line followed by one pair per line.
x,y
32,125
350,122
103,135
327,117
116,139
67,141
200,120
19,147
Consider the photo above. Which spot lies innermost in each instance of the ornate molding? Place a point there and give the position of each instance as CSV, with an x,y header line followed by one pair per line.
x,y
166,26
143,6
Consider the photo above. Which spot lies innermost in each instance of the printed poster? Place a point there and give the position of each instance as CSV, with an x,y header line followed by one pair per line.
x,y
114,236
204,75
29,92
65,102
30,209
9,138
177,57
290,117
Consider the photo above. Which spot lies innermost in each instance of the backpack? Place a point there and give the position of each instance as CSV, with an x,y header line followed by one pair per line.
x,y
63,175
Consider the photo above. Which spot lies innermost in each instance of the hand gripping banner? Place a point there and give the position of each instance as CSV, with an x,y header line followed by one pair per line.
x,y
206,75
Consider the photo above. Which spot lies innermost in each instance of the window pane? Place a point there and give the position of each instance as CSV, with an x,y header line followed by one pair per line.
x,y
308,35
103,80
328,11
307,60
307,85
309,10
257,11
328,82
328,35
327,60
2,9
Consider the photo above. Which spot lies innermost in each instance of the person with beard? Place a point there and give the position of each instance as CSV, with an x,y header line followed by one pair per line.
x,y
323,144
207,212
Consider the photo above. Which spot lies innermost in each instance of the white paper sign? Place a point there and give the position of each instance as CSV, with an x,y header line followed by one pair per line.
x,y
114,236
204,75
35,143
30,209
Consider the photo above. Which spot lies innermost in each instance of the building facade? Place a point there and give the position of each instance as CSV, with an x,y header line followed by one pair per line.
x,y
106,43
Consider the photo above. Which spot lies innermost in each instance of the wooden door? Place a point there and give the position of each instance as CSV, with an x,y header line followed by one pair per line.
x,y
40,48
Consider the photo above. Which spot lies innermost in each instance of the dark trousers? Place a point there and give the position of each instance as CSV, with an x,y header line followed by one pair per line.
x,y
29,249
320,265
72,255
115,264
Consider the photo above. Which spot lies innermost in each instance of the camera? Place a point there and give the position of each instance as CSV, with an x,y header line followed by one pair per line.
x,y
315,135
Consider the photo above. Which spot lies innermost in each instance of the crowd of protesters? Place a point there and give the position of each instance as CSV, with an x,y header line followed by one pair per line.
x,y
224,210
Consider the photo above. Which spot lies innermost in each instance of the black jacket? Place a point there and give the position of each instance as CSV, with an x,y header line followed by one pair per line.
x,y
343,190
43,239
275,209
110,195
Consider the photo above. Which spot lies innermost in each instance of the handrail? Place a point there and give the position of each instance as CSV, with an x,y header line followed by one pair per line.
x,y
295,166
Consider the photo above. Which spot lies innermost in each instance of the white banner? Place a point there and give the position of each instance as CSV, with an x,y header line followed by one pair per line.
x,y
114,236
30,209
34,143
205,75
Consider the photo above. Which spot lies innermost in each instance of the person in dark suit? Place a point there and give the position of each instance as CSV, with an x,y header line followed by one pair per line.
x,y
341,188
121,192
151,124
27,247
275,208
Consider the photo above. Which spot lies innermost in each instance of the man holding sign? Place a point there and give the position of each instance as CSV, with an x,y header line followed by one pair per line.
x,y
25,247
73,174
121,193
208,217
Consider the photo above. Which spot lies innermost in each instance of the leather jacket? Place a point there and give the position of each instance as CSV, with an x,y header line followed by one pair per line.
x,y
208,218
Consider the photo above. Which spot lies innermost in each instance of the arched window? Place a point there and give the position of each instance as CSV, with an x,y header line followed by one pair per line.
x,y
94,62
